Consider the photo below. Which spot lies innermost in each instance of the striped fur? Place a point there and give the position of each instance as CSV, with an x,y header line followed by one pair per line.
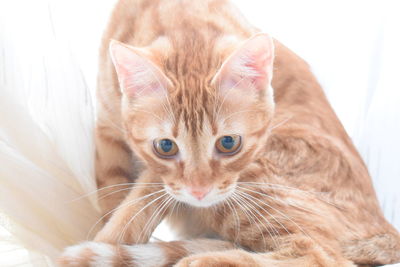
x,y
147,255
297,193
197,252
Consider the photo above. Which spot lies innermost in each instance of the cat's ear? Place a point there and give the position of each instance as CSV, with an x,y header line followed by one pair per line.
x,y
137,74
250,67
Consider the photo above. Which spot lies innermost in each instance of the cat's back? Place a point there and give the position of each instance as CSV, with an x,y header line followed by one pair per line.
x,y
140,22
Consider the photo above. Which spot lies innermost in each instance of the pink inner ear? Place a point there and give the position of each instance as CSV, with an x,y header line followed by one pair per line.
x,y
250,64
137,75
259,62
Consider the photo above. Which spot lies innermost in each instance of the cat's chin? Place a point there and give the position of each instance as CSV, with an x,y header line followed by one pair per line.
x,y
210,200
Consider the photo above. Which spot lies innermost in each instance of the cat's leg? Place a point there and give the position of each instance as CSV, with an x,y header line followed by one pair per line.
x,y
113,166
158,254
139,214
296,251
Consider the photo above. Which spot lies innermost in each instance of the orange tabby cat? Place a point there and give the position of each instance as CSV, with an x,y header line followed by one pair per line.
x,y
237,142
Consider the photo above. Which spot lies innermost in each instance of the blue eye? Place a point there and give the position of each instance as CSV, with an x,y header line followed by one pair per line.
x,y
229,144
165,148
166,145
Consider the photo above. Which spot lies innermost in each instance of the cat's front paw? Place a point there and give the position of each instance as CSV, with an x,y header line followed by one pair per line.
x,y
87,254
217,259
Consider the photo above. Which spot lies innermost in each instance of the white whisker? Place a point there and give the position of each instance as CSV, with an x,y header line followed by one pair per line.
x,y
280,123
121,206
237,221
113,125
153,219
134,216
251,218
115,185
292,189
171,113
266,220
286,202
114,192
245,195
226,94
148,112
276,210
237,112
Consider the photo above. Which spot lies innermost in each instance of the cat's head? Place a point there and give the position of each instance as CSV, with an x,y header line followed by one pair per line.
x,y
197,133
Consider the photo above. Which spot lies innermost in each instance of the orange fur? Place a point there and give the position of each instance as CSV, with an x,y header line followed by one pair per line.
x,y
303,196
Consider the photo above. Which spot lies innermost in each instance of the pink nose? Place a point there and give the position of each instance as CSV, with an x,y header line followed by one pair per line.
x,y
199,192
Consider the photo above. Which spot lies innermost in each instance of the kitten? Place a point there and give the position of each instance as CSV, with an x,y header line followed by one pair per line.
x,y
187,91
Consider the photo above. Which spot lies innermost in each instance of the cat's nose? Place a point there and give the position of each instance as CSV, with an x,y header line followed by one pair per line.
x,y
199,192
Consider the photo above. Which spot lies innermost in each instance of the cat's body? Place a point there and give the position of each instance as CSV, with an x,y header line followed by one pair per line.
x,y
303,195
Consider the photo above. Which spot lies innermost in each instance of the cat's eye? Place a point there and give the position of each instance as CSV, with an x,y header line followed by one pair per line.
x,y
229,144
165,148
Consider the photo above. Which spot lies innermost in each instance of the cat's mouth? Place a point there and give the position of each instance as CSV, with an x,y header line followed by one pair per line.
x,y
208,199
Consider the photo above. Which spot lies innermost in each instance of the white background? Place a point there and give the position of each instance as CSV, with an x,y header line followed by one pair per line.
x,y
352,46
